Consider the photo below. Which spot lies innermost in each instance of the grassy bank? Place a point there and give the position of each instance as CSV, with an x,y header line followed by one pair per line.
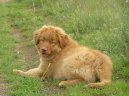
x,y
101,24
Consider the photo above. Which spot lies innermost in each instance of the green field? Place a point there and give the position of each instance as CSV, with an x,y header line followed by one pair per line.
x,y
99,24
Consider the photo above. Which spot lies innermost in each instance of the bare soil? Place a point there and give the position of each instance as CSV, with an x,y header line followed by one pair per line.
x,y
3,86
4,1
27,55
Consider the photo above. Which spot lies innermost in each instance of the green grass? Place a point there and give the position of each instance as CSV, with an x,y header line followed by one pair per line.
x,y
101,24
8,60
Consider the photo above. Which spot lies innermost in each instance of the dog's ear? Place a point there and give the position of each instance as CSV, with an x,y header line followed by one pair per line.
x,y
36,37
63,40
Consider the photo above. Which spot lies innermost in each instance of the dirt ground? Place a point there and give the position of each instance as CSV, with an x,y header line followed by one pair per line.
x,y
4,1
27,55
3,86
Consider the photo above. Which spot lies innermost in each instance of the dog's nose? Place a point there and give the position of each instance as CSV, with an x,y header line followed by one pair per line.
x,y
44,49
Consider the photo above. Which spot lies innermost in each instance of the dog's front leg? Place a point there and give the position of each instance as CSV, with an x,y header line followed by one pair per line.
x,y
36,72
69,82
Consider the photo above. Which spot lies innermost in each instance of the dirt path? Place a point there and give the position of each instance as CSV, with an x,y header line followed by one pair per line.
x,y
4,1
3,86
27,55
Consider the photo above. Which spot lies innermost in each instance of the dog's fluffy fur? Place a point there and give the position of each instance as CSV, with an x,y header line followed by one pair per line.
x,y
63,58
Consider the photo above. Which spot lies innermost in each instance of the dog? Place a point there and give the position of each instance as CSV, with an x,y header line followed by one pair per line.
x,y
63,58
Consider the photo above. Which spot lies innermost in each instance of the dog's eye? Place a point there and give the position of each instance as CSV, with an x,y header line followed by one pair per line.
x,y
41,41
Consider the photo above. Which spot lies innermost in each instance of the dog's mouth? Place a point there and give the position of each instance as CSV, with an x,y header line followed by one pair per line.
x,y
45,54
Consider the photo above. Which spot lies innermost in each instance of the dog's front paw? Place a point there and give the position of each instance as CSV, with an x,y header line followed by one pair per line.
x,y
62,84
94,85
17,71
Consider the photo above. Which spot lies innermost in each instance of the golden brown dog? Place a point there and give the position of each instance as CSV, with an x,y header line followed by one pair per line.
x,y
63,58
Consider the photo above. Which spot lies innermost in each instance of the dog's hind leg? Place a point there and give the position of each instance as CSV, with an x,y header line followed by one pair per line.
x,y
104,78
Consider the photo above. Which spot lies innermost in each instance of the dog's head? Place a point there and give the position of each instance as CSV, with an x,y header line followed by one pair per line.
x,y
50,40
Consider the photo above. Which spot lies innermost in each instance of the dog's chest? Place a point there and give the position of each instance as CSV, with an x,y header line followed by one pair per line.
x,y
59,76
59,73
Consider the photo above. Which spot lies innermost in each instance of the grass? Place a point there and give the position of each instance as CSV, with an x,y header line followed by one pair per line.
x,y
8,60
101,24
